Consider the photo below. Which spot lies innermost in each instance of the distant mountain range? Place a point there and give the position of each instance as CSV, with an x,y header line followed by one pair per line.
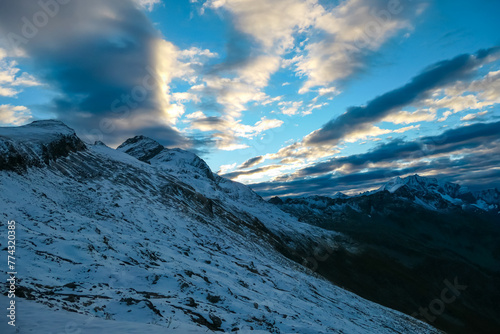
x,y
413,234
148,235
429,193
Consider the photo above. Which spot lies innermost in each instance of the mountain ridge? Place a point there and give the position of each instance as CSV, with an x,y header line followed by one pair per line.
x,y
36,144
412,234
431,193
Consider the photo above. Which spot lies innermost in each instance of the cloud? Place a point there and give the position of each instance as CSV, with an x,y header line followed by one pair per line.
x,y
200,122
406,117
14,115
251,162
407,128
468,154
351,184
232,94
226,133
445,116
344,35
11,77
470,117
358,123
290,108
148,4
237,174
477,94
436,76
270,23
264,32
226,168
452,140
109,65
350,33
364,132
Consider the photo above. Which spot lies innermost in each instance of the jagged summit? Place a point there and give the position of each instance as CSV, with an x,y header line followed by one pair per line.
x,y
141,147
175,160
415,181
439,194
276,200
340,195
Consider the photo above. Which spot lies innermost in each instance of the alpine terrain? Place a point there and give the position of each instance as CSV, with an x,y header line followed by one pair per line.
x,y
417,239
147,239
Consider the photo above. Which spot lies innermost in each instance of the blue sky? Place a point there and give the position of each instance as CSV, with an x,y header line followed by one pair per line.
x,y
293,97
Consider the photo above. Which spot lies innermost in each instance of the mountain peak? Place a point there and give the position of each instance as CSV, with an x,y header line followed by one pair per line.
x,y
48,123
393,185
417,182
175,160
42,131
339,194
438,192
276,200
36,144
141,147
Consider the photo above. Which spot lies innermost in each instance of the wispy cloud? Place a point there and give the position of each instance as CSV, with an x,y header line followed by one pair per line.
x,y
361,123
457,154
437,76
264,32
226,133
349,34
14,115
12,79
148,4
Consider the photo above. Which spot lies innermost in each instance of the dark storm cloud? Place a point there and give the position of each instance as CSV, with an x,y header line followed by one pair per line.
x,y
93,53
438,75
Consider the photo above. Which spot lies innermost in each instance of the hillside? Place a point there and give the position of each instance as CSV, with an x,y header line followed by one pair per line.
x,y
414,235
154,237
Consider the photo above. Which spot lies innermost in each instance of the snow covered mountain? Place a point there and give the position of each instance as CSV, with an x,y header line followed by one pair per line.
x,y
411,235
436,194
144,237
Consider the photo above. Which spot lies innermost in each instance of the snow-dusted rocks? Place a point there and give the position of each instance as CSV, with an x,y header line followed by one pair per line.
x,y
36,144
431,193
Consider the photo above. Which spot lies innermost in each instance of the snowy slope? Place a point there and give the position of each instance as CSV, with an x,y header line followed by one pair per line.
x,y
38,318
105,235
235,197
